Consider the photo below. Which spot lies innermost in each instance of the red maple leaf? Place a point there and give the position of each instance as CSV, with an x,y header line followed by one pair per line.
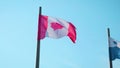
x,y
56,25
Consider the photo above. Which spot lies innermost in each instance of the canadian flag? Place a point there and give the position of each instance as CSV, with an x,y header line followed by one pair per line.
x,y
55,28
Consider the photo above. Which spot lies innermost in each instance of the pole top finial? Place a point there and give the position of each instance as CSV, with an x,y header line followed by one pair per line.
x,y
108,32
40,10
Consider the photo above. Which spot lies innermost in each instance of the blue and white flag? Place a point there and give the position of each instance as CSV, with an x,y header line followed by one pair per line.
x,y
114,49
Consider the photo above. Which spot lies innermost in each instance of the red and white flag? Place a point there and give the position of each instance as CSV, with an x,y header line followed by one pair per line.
x,y
55,28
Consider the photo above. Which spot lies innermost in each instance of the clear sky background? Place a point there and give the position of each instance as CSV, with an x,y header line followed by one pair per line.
x,y
18,33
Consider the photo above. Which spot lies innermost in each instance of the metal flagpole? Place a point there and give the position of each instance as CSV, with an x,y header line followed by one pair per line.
x,y
110,61
38,41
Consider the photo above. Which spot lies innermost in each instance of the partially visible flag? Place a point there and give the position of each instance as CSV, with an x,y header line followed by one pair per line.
x,y
55,28
114,49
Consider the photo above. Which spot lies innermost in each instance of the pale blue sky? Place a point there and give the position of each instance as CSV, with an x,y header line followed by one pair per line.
x,y
18,33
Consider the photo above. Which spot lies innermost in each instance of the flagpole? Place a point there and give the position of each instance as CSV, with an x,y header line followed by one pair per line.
x,y
38,41
110,61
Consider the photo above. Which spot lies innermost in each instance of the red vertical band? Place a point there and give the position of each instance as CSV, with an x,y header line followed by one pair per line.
x,y
72,32
42,26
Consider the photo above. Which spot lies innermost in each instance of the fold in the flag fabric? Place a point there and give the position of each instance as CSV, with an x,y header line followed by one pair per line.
x,y
114,49
55,28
